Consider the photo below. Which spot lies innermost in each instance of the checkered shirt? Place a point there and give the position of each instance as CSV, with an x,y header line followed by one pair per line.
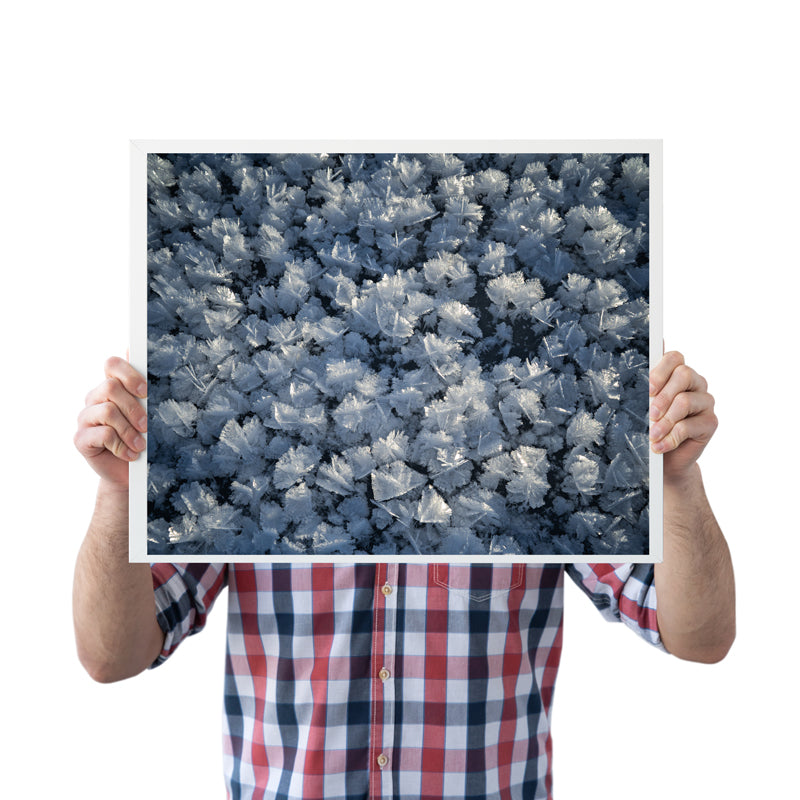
x,y
395,681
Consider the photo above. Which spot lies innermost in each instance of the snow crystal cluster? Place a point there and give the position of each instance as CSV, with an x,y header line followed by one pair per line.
x,y
398,354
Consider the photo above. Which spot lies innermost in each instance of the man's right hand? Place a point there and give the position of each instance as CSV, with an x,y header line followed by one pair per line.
x,y
111,424
116,628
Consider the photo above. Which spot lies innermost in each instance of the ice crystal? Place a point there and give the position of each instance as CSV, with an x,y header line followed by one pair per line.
x,y
584,430
336,476
431,507
294,464
395,480
179,417
405,353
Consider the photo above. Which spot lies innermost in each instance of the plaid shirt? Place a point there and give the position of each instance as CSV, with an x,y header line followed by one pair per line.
x,y
392,680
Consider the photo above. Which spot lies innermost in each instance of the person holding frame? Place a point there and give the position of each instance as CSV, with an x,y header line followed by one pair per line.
x,y
388,679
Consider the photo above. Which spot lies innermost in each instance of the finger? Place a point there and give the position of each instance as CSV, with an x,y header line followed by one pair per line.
x,y
682,379
659,375
130,378
685,404
108,414
94,440
112,391
699,429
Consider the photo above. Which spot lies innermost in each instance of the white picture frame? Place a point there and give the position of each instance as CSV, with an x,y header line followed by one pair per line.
x,y
141,551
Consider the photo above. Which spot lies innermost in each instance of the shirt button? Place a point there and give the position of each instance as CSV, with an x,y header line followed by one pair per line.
x,y
382,760
384,674
386,589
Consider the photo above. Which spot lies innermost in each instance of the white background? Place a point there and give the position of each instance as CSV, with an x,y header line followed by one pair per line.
x,y
714,81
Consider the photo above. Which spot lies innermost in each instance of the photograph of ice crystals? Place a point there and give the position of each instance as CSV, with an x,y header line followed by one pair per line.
x,y
398,354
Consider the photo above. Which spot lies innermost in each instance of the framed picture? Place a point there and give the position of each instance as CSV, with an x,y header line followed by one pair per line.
x,y
396,351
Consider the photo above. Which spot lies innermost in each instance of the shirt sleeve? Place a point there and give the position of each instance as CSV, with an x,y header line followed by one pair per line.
x,y
184,595
622,593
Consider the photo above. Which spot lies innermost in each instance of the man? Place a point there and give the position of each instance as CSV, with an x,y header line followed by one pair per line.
x,y
393,680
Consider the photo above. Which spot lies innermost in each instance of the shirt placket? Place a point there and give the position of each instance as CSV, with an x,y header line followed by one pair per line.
x,y
382,744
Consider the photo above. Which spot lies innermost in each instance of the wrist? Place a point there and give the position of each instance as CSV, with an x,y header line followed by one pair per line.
x,y
109,525
685,480
115,492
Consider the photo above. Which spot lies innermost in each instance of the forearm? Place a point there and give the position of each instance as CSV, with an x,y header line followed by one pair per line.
x,y
113,603
694,584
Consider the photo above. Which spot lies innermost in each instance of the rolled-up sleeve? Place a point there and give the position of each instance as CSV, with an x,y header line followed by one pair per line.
x,y
622,593
184,596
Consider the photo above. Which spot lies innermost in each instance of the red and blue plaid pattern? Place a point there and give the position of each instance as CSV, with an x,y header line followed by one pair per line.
x,y
394,681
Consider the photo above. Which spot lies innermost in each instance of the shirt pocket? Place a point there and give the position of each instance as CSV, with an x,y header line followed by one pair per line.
x,y
479,583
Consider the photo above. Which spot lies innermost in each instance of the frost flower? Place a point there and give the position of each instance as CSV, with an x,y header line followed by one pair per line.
x,y
398,354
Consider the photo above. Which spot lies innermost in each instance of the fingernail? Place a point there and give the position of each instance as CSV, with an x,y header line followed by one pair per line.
x,y
653,412
131,455
138,443
142,424
652,389
141,390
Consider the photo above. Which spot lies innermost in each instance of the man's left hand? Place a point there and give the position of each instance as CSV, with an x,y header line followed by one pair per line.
x,y
682,419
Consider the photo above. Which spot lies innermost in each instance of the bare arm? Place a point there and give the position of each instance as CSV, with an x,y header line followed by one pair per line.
x,y
114,611
694,584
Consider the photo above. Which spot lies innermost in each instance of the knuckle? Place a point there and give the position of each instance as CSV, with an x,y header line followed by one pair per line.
x,y
106,412
677,434
112,442
111,389
111,364
128,432
84,422
674,357
680,406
